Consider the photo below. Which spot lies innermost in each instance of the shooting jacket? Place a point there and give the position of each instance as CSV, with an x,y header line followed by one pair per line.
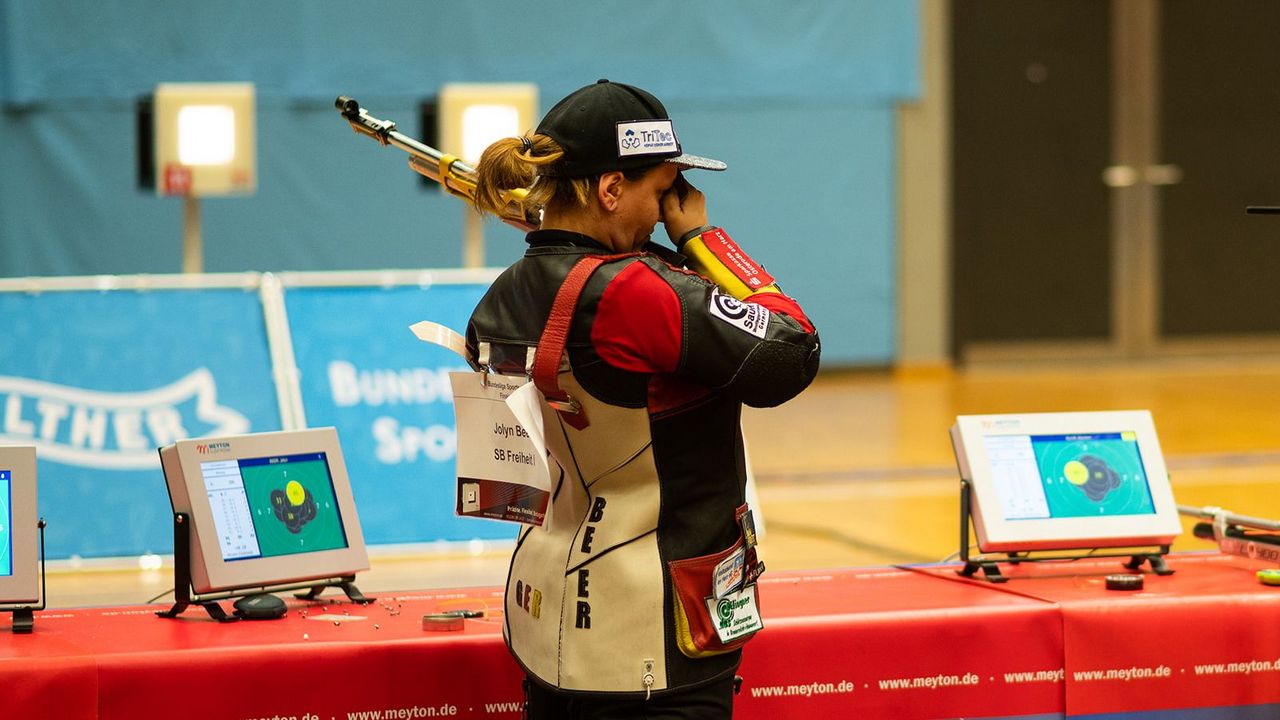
x,y
660,361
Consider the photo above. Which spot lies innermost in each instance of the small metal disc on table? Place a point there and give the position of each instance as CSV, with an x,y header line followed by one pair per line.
x,y
442,622
1124,582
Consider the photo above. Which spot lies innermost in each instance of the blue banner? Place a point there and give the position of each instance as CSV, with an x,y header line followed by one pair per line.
x,y
388,394
98,380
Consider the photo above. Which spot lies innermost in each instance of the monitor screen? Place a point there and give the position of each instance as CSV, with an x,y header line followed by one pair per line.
x,y
1065,480
19,526
1057,476
6,520
266,509
271,506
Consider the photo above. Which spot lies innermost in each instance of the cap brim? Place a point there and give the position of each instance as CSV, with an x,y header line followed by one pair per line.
x,y
694,161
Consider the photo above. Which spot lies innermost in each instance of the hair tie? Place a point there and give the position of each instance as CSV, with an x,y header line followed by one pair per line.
x,y
527,143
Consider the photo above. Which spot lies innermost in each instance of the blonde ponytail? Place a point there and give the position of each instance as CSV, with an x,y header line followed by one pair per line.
x,y
527,163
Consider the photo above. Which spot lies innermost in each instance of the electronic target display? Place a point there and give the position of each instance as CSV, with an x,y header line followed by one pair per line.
x,y
1065,480
6,520
1055,476
271,506
19,533
265,509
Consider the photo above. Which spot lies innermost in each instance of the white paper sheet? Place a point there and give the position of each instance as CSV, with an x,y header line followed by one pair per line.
x,y
438,334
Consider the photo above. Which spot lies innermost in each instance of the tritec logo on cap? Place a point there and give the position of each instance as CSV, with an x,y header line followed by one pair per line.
x,y
646,137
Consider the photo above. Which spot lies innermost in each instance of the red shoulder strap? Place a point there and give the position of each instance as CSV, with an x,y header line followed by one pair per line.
x,y
546,360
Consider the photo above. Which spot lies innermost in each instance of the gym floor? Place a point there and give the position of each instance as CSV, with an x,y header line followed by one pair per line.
x,y
859,471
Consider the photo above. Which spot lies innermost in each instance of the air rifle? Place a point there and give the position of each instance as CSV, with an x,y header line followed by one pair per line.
x,y
1250,537
711,253
455,176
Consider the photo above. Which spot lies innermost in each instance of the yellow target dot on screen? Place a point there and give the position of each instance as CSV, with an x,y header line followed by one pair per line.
x,y
1076,472
295,492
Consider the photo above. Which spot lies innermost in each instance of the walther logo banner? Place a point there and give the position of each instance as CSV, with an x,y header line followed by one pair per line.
x,y
112,430
97,380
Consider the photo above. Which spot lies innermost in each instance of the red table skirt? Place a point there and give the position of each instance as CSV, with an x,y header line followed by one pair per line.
x,y
900,644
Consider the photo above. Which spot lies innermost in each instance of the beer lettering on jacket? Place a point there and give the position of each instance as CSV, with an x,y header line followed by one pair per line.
x,y
583,619
528,599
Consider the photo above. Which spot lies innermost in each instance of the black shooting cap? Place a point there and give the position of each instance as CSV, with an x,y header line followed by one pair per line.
x,y
609,126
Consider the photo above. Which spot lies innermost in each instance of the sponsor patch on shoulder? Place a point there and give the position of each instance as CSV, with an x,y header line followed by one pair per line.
x,y
748,317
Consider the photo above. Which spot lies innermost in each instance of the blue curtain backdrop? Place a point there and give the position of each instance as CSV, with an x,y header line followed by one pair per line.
x,y
798,98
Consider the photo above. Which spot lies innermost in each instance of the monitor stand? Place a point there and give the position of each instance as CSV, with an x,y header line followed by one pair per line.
x,y
184,598
989,565
23,615
182,595
345,583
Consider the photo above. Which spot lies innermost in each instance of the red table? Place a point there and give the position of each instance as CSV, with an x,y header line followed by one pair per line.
x,y
895,644
1201,643
879,643
339,658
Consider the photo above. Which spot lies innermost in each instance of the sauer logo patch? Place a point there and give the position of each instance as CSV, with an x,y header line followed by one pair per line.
x,y
748,317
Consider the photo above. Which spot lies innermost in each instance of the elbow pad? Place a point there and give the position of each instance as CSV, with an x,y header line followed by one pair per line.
x,y
775,372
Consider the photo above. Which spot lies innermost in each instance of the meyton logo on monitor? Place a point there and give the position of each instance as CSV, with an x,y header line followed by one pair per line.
x,y
207,448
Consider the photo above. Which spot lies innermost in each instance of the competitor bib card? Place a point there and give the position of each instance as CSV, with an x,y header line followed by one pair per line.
x,y
502,472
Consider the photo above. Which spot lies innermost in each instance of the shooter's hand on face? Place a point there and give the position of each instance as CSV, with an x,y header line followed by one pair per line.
x,y
684,208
